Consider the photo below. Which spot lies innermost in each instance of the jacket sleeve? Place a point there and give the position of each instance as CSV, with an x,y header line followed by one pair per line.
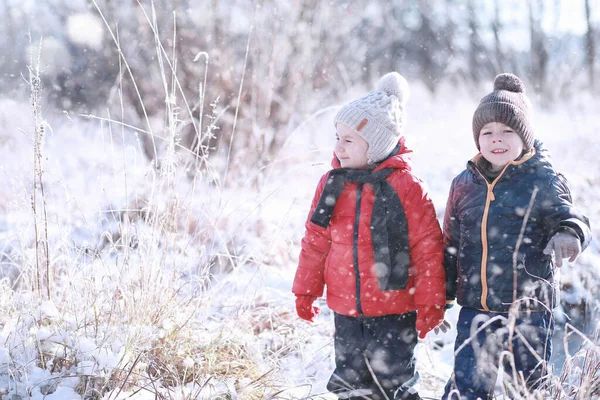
x,y
451,246
560,214
315,246
425,246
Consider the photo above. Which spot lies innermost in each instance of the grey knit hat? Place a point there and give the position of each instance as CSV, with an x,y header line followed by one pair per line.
x,y
509,105
378,116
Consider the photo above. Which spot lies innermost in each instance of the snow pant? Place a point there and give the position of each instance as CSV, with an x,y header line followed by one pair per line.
x,y
374,357
478,355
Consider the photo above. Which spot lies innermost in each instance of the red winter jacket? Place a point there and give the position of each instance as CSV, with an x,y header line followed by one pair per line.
x,y
327,257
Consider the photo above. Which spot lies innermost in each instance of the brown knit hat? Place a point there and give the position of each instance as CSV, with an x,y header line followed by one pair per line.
x,y
509,105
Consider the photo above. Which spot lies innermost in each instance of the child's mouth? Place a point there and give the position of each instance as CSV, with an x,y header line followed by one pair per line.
x,y
499,151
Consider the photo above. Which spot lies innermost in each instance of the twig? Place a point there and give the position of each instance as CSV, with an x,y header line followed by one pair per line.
x,y
520,240
237,108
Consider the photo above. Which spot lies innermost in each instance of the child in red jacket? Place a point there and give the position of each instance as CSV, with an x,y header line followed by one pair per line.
x,y
373,240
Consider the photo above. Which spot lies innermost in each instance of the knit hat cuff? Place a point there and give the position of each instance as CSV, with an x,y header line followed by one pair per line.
x,y
505,113
351,116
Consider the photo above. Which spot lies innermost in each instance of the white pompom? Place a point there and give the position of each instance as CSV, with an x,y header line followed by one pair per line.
x,y
394,84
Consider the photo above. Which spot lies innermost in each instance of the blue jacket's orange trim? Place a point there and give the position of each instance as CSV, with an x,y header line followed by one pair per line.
x,y
484,243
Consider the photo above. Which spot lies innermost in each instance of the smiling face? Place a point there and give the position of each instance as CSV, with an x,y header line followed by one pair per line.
x,y
350,147
499,144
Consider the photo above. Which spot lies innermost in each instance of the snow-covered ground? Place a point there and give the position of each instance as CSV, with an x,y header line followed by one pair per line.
x,y
183,265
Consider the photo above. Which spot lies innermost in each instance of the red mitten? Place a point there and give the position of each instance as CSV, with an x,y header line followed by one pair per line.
x,y
305,308
428,318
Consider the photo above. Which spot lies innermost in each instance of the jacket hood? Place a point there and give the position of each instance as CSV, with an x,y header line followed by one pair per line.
x,y
400,158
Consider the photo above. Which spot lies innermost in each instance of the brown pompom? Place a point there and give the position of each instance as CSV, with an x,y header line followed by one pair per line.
x,y
509,82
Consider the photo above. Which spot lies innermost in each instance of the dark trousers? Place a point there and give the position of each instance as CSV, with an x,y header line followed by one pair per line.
x,y
476,362
372,350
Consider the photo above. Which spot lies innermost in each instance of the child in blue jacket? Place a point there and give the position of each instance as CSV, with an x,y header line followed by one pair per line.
x,y
509,223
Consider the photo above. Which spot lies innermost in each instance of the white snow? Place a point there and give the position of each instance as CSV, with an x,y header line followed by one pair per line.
x,y
121,289
85,29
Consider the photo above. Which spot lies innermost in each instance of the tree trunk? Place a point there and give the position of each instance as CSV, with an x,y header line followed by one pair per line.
x,y
590,53
496,28
539,52
476,49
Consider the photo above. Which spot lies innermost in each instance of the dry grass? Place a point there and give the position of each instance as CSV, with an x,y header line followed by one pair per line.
x,y
137,313
132,314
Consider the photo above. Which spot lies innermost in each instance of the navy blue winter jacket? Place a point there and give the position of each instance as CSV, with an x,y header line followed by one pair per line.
x,y
488,264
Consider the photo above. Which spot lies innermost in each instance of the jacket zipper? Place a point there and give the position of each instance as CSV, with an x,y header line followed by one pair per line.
x,y
488,200
355,247
484,244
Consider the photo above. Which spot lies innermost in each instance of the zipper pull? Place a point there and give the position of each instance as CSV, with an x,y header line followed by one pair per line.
x,y
491,193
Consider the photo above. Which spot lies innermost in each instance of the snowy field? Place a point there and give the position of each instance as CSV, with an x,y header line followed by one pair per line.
x,y
128,282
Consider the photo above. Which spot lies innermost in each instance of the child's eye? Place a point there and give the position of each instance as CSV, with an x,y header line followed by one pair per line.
x,y
485,133
348,141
